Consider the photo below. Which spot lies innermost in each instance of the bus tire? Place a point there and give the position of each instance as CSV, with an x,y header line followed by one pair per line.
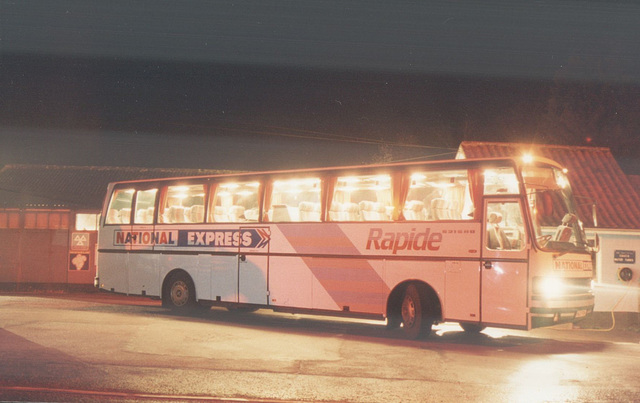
x,y
180,293
394,316
415,312
472,327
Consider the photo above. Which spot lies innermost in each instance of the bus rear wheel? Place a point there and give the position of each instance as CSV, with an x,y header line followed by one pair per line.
x,y
416,322
180,293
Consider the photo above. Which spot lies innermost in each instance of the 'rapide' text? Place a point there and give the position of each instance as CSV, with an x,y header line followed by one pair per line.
x,y
398,241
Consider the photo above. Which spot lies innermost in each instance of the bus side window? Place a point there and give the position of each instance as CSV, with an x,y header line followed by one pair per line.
x,y
119,210
362,198
505,227
145,206
438,195
295,200
235,202
182,204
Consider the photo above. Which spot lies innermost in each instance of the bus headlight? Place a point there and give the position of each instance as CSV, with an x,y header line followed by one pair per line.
x,y
550,287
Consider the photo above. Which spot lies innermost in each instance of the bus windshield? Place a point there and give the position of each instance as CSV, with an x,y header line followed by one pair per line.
x,y
553,209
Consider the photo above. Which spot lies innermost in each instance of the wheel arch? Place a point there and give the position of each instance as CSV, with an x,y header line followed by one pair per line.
x,y
394,301
167,280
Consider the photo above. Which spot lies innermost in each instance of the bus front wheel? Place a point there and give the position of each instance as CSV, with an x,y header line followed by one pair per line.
x,y
416,322
180,293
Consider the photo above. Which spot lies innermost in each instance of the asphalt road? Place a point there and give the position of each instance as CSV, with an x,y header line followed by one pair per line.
x,y
60,347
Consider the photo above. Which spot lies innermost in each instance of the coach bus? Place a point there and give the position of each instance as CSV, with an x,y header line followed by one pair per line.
x,y
487,242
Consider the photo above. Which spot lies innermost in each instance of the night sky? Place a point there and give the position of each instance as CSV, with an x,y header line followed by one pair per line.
x,y
285,84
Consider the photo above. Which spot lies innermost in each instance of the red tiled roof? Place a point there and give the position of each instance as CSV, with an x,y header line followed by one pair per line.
x,y
594,174
635,182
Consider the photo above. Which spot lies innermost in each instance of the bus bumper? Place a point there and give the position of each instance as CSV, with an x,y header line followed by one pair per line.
x,y
549,313
546,317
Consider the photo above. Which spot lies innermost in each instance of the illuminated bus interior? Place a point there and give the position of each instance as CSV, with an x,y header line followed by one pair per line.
x,y
417,195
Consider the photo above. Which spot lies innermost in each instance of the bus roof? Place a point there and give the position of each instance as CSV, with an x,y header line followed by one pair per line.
x,y
461,163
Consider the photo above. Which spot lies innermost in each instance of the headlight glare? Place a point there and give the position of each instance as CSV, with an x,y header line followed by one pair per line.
x,y
550,287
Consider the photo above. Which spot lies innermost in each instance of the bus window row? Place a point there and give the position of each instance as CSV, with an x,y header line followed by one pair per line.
x,y
422,196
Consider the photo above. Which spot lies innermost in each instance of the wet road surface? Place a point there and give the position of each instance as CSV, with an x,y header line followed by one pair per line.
x,y
88,347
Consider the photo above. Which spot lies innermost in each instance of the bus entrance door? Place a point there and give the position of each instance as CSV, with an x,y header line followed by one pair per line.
x,y
253,266
504,265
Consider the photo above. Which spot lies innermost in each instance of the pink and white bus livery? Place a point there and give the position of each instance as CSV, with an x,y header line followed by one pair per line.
x,y
492,242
